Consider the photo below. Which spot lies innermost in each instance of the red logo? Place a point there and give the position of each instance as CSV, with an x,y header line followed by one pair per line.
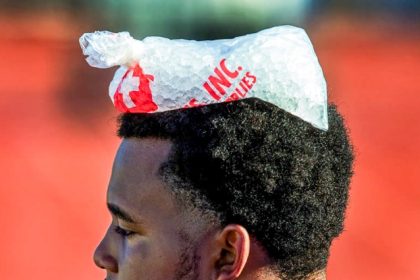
x,y
133,93
220,86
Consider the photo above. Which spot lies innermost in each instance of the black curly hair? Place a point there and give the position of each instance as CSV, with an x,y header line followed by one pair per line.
x,y
258,166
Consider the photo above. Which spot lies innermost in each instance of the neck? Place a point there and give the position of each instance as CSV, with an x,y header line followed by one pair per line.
x,y
259,267
269,274
318,275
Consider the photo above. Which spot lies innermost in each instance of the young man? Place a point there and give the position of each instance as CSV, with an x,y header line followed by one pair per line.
x,y
236,190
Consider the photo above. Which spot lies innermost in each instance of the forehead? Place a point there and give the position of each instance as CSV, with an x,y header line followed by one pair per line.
x,y
135,177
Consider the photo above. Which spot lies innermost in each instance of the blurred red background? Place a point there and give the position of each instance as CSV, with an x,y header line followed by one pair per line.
x,y
58,142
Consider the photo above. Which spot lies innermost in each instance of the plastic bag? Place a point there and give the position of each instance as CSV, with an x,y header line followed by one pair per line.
x,y
277,65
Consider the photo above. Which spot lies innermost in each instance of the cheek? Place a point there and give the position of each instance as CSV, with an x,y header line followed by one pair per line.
x,y
147,259
134,259
137,251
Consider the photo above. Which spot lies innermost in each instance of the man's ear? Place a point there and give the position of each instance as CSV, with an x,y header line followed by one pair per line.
x,y
231,255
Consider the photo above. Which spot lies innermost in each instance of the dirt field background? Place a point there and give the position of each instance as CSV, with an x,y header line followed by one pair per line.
x,y
58,142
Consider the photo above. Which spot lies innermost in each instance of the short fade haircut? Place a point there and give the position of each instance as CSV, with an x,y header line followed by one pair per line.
x,y
258,166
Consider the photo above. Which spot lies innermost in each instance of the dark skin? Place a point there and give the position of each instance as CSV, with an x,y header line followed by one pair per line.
x,y
151,237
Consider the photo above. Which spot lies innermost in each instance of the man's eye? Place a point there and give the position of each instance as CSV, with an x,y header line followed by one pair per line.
x,y
123,232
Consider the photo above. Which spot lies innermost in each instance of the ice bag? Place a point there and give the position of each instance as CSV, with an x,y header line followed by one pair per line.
x,y
277,65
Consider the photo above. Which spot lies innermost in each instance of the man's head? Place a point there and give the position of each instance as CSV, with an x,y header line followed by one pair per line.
x,y
240,189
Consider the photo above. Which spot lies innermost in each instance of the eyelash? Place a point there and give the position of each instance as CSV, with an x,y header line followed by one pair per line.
x,y
123,232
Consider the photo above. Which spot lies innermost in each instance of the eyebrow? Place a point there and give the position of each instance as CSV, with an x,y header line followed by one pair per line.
x,y
121,214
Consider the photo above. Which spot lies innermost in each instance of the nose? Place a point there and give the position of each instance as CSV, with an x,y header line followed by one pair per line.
x,y
103,256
